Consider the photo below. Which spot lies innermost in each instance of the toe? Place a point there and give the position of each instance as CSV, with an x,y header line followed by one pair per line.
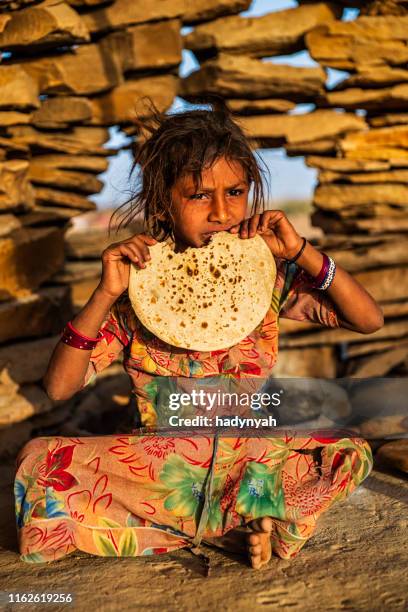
x,y
266,524
255,550
256,561
254,539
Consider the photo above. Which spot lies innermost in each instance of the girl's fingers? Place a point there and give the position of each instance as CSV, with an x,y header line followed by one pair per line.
x,y
273,217
267,219
147,239
140,246
134,255
253,225
144,250
234,229
244,229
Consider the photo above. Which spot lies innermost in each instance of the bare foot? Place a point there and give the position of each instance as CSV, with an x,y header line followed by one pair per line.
x,y
259,541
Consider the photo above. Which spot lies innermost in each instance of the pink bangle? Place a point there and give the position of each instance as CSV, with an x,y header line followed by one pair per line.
x,y
324,269
326,275
78,333
73,337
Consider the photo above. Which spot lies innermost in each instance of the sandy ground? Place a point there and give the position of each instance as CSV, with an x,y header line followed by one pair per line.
x,y
357,560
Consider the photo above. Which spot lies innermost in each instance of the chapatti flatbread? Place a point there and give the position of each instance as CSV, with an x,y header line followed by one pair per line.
x,y
207,298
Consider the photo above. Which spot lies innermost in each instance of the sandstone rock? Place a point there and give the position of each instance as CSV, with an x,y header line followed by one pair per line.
x,y
341,164
61,111
325,146
397,156
18,90
375,210
384,7
331,223
380,400
13,438
199,11
59,214
238,76
364,257
123,103
28,257
395,309
87,163
385,284
18,360
300,404
394,176
83,278
81,140
35,315
123,13
395,97
81,291
8,223
136,47
16,192
10,148
397,328
307,362
384,427
365,348
380,143
14,118
369,76
336,196
388,119
14,5
18,406
45,196
275,33
88,3
306,398
83,182
290,326
68,73
89,243
74,271
378,364
260,107
49,23
346,241
395,454
294,129
366,40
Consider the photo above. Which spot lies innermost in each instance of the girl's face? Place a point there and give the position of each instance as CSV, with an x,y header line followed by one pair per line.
x,y
217,206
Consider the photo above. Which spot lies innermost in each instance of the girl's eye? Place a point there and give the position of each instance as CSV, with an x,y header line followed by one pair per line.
x,y
196,196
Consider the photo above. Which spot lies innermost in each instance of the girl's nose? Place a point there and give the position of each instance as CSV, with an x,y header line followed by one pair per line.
x,y
219,211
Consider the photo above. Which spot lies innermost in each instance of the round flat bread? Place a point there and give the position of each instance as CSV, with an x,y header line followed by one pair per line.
x,y
207,298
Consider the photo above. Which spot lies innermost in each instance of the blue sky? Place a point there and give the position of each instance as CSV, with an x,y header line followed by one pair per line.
x,y
289,178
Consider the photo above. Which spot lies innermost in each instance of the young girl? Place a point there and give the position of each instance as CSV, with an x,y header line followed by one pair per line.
x,y
146,493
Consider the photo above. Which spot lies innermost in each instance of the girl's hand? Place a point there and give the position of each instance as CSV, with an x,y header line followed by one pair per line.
x,y
116,259
275,228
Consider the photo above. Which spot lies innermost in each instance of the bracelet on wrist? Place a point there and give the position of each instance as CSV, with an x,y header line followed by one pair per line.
x,y
298,254
326,275
73,337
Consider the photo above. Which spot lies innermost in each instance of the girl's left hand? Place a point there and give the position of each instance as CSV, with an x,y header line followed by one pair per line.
x,y
275,228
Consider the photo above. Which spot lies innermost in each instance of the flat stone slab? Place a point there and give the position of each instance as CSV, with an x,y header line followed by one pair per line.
x,y
356,560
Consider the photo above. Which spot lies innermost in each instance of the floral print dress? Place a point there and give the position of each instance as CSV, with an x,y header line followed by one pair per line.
x,y
147,493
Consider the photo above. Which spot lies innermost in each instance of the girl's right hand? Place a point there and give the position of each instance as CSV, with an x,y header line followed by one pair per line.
x,y
116,260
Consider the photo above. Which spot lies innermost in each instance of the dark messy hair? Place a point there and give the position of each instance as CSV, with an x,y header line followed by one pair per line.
x,y
179,144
